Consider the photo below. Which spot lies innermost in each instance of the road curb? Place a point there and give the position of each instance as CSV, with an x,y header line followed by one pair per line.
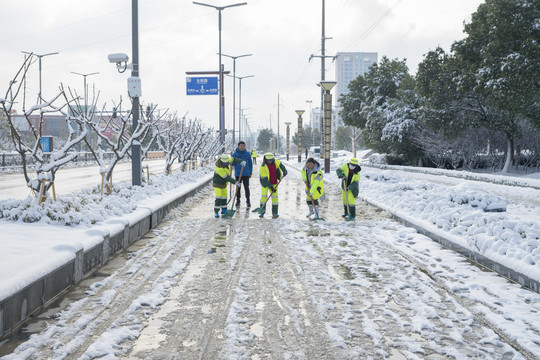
x,y
17,308
475,257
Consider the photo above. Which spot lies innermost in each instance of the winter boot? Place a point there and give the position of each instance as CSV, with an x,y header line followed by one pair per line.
x,y
317,212
345,213
216,214
248,203
353,212
275,212
310,211
223,211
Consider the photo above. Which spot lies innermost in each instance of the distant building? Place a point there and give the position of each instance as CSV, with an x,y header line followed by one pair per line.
x,y
349,65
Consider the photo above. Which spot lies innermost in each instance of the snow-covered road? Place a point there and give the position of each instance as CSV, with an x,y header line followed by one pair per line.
x,y
246,288
69,180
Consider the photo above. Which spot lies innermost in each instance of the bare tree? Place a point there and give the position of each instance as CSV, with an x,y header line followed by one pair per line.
x,y
29,145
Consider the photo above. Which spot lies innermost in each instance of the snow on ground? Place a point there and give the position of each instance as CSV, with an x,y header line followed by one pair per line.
x,y
458,211
38,239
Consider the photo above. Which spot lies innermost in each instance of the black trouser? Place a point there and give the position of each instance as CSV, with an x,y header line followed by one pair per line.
x,y
245,185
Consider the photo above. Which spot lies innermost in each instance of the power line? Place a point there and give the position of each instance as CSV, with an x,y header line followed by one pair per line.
x,y
372,27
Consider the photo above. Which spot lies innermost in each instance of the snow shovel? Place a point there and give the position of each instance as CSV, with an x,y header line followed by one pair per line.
x,y
260,209
229,213
348,218
313,204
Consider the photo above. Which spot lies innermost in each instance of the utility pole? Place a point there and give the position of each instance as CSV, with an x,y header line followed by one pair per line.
x,y
323,57
277,141
234,95
136,146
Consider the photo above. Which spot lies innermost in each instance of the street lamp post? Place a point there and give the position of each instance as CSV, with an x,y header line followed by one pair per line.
x,y
299,113
39,56
234,93
288,124
136,146
240,78
327,86
85,93
221,98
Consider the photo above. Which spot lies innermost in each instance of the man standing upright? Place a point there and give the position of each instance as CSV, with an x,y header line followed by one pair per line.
x,y
242,153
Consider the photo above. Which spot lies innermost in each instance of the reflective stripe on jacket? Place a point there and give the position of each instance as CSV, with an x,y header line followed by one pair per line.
x,y
352,177
315,183
264,174
222,174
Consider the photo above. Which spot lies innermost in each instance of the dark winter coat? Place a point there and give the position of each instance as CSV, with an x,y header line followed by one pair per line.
x,y
246,156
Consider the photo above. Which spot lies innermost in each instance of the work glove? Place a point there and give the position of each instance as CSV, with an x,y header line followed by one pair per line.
x,y
243,163
238,184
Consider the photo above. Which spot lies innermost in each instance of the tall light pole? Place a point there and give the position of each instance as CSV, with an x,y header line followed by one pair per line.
x,y
299,113
39,56
327,86
288,124
310,124
136,146
234,92
85,94
221,98
240,78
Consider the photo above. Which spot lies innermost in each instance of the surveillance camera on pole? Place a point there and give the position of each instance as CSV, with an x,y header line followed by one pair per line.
x,y
121,61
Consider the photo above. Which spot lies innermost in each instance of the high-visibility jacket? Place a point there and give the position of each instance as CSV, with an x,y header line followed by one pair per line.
x,y
222,173
352,178
253,154
264,173
315,181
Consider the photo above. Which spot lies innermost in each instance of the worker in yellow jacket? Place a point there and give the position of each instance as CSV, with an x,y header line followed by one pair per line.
x,y
222,175
349,174
314,186
271,172
254,156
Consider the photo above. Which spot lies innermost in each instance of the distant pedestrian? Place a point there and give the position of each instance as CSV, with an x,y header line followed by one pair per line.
x,y
349,173
314,186
243,154
222,175
254,156
306,153
272,171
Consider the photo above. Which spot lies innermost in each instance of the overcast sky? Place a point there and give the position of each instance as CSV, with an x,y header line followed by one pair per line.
x,y
176,36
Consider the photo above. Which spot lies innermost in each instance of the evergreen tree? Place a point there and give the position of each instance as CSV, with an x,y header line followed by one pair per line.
x,y
263,140
500,65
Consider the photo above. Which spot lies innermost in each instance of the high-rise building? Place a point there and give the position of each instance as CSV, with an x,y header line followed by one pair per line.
x,y
349,65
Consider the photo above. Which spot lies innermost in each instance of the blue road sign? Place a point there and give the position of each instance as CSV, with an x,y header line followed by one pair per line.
x,y
46,143
202,85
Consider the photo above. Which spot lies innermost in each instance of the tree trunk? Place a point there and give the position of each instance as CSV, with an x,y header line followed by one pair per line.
x,y
509,153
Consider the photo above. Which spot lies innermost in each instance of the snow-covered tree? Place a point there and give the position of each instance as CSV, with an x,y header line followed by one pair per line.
x,y
29,146
500,56
382,102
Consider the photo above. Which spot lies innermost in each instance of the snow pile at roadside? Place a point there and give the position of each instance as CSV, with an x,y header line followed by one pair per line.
x,y
88,207
463,211
467,213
